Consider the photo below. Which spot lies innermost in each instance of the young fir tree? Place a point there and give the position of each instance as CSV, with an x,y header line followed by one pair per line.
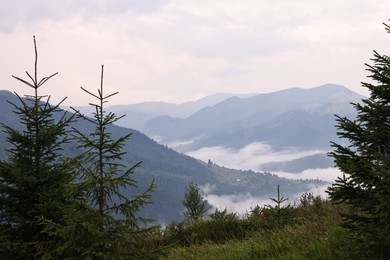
x,y
104,224
33,179
195,205
365,162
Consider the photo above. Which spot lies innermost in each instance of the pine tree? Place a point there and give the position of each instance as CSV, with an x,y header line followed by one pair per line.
x,y
365,163
105,223
195,205
33,179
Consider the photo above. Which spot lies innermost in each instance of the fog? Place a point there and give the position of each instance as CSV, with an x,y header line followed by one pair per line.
x,y
327,174
240,203
252,156
244,202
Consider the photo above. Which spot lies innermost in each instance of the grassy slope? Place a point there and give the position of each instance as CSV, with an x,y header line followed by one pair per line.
x,y
314,234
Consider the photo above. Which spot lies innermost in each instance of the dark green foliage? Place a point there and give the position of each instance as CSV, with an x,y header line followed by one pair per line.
x,y
365,162
102,174
269,217
33,179
195,205
280,214
311,233
103,223
222,226
225,225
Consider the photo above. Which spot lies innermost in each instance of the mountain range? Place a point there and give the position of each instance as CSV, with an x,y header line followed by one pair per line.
x,y
301,118
289,122
138,114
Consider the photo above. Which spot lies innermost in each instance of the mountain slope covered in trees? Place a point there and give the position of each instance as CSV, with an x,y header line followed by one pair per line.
x,y
172,171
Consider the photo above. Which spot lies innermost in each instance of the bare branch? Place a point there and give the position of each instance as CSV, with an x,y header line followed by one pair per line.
x,y
111,95
22,80
43,80
32,79
90,93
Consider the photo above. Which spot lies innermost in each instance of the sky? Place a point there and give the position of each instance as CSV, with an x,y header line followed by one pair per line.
x,y
182,50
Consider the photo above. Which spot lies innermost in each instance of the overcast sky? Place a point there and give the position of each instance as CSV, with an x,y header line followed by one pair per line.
x,y
176,51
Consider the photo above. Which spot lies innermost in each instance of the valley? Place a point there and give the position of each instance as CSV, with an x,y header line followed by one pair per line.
x,y
270,139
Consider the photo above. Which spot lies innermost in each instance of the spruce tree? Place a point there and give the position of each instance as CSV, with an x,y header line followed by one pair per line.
x,y
195,205
365,163
105,223
33,179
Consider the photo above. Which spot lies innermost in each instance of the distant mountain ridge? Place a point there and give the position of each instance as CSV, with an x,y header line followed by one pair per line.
x,y
290,120
236,122
138,114
287,121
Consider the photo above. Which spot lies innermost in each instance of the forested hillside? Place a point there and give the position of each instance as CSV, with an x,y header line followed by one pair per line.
x,y
172,171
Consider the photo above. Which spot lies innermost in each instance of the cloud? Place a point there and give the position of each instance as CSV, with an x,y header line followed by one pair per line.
x,y
214,31
16,13
239,203
254,155
328,174
249,157
319,190
242,203
175,50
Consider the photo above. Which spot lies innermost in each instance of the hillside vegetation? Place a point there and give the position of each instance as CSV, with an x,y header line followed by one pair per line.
x,y
309,230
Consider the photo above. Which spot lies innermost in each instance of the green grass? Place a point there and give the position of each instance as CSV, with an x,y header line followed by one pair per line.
x,y
313,233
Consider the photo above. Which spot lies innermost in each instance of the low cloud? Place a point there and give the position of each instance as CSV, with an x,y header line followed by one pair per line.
x,y
319,190
328,174
178,144
243,203
238,203
252,156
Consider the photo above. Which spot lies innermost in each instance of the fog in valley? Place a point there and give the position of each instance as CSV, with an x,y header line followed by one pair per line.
x,y
254,155
243,203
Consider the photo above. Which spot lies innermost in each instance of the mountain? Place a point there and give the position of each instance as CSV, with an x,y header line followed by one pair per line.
x,y
138,114
294,120
287,109
172,171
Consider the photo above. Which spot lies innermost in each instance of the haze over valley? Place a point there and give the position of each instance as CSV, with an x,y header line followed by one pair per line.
x,y
287,133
